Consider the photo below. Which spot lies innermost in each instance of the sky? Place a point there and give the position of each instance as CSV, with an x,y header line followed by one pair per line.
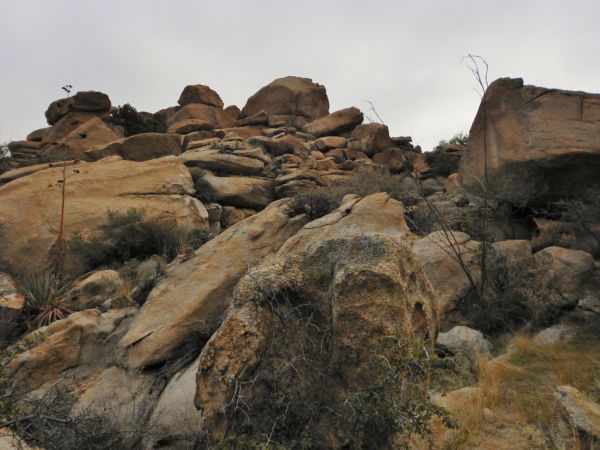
x,y
403,56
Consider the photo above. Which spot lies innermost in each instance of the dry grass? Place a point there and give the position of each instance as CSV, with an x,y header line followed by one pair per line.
x,y
518,391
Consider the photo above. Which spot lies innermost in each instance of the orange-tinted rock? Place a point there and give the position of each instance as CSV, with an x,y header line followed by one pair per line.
x,y
199,93
335,123
371,138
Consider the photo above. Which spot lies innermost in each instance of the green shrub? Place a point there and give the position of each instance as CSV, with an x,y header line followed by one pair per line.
x,y
135,122
46,299
128,235
458,138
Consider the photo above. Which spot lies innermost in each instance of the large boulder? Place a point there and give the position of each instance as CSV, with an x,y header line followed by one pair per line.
x,y
537,141
91,134
450,264
370,138
567,270
140,147
201,287
304,325
290,96
163,188
238,191
234,163
199,93
85,101
335,123
583,414
198,111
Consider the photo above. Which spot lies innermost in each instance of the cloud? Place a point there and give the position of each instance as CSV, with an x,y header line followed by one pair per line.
x,y
403,56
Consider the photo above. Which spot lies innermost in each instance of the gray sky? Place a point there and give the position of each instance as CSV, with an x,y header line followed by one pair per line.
x,y
404,56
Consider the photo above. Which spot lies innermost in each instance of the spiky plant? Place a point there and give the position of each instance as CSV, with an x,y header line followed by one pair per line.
x,y
46,298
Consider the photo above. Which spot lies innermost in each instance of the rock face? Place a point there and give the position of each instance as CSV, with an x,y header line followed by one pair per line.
x,y
538,140
371,138
199,93
567,269
161,187
350,290
298,98
241,192
140,147
201,287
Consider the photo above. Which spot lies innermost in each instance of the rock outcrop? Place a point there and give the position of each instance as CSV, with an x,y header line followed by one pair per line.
x,y
535,142
161,187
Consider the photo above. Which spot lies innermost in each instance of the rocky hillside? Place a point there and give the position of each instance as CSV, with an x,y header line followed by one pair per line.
x,y
283,276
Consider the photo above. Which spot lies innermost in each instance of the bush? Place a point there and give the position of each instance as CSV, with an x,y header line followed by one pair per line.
x,y
135,122
46,298
324,199
458,138
128,235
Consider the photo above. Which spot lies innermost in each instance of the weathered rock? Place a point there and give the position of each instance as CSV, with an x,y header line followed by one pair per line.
x,y
293,96
514,252
238,191
38,135
201,287
210,114
65,126
11,306
175,419
438,253
567,269
85,101
24,171
452,183
583,414
329,142
538,141
466,340
98,288
162,188
232,215
392,158
189,126
223,162
199,93
257,119
355,288
140,147
335,123
559,333
91,134
79,339
371,138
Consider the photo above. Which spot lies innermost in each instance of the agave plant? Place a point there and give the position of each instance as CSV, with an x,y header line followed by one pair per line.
x,y
46,298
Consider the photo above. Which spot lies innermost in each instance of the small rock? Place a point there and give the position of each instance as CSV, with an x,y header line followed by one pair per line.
x,y
582,412
466,340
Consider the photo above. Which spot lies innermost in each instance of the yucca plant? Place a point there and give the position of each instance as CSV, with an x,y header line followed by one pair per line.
x,y
46,298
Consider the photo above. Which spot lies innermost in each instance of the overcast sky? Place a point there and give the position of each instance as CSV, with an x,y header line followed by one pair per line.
x,y
404,56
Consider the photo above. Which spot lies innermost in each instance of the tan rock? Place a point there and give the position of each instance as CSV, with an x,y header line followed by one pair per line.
x,y
238,191
335,123
162,188
199,93
140,147
85,101
371,138
438,253
298,97
91,134
201,286
329,142
223,162
567,269
232,215
68,343
583,413
538,141
242,132
189,126
38,135
24,171
452,183
98,288
65,126
392,158
356,288
210,114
